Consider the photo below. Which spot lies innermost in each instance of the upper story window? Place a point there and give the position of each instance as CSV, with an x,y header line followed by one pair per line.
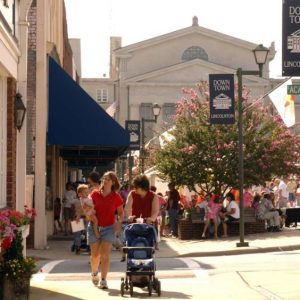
x,y
102,95
8,15
146,112
168,113
193,53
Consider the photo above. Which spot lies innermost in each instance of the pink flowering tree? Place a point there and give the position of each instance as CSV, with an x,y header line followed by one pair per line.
x,y
207,155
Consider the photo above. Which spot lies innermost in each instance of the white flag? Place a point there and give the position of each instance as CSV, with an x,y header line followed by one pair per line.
x,y
111,110
284,103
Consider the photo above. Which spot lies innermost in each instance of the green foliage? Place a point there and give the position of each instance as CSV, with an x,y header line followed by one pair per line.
x,y
17,268
207,155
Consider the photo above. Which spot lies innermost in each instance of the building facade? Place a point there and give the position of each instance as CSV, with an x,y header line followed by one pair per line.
x,y
156,70
13,79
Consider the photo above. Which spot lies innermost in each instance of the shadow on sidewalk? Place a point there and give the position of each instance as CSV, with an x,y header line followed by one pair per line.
x,y
143,293
38,294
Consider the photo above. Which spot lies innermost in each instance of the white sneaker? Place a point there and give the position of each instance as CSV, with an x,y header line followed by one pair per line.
x,y
95,279
103,284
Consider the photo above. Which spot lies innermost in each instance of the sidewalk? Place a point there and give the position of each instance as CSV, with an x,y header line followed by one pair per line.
x,y
288,239
60,286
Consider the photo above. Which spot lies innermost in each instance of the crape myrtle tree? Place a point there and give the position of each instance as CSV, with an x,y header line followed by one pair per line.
x,y
205,157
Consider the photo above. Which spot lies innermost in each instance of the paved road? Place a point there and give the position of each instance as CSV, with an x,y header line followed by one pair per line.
x,y
258,276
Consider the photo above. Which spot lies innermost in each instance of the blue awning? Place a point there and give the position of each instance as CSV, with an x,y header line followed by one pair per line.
x,y
76,121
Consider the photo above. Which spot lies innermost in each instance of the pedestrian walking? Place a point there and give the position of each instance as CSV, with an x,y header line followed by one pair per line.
x,y
69,197
283,193
57,213
172,208
141,202
106,201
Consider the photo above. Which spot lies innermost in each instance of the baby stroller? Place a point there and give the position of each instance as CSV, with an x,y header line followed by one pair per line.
x,y
140,265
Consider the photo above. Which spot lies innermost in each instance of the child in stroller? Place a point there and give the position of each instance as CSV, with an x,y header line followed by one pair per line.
x,y
140,241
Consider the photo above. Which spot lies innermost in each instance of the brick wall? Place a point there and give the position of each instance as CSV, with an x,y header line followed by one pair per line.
x,y
68,53
11,144
31,88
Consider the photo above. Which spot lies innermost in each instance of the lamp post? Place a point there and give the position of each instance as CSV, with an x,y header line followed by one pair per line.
x,y
20,111
156,111
260,54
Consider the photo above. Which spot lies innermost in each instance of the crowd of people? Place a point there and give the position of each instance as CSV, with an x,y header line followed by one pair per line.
x,y
106,207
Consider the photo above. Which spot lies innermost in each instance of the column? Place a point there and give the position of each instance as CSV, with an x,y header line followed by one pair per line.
x,y
21,136
40,233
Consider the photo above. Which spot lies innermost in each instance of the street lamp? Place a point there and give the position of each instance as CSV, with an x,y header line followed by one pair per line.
x,y
260,54
20,111
156,111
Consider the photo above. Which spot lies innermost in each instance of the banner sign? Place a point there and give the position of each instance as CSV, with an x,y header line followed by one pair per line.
x,y
290,38
134,128
221,89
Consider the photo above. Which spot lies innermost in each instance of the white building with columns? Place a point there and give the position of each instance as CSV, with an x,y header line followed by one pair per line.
x,y
156,70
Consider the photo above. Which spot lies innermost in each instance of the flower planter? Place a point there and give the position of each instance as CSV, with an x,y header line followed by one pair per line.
x,y
16,290
25,230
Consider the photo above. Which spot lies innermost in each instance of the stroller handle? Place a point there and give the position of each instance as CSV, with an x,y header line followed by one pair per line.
x,y
134,221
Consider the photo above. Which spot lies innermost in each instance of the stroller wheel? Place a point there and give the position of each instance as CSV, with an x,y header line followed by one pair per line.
x,y
122,288
158,287
131,289
150,288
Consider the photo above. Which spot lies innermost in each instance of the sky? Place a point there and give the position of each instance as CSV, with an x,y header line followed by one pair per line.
x,y
94,21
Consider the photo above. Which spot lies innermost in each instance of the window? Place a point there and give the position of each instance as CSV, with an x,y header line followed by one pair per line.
x,y
102,96
3,136
193,53
146,112
168,113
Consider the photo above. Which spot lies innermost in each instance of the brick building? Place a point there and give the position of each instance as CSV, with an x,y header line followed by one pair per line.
x,y
13,75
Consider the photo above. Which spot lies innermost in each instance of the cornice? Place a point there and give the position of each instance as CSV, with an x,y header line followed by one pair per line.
x,y
182,32
9,42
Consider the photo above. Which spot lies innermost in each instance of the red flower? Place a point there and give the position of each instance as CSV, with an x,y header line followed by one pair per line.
x,y
6,243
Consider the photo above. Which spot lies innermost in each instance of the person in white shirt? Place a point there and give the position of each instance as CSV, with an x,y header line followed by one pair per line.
x,y
266,211
68,201
283,193
232,213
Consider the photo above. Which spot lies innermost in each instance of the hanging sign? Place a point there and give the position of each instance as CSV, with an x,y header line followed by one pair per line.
x,y
221,88
290,38
134,128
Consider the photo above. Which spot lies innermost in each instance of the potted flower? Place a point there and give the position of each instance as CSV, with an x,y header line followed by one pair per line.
x,y
16,271
22,220
6,231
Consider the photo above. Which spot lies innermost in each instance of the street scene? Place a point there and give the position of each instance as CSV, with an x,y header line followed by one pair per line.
x,y
149,149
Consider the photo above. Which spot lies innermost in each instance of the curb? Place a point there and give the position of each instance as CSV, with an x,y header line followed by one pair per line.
x,y
242,251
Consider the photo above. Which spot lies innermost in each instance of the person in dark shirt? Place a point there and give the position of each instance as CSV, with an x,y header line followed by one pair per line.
x,y
172,208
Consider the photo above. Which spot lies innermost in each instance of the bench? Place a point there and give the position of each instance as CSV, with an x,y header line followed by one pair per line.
x,y
192,228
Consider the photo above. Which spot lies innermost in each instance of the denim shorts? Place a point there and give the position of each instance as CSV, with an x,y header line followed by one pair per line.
x,y
107,234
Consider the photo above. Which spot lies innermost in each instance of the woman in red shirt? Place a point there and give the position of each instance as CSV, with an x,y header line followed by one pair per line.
x,y
141,202
106,202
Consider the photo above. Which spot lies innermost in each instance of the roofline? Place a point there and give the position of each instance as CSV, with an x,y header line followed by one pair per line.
x,y
181,32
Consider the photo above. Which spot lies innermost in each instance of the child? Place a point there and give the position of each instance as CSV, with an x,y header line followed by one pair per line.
x,y
211,213
88,207
57,212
